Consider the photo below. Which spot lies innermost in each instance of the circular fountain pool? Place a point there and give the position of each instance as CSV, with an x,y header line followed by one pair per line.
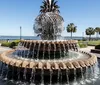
x,y
50,60
19,65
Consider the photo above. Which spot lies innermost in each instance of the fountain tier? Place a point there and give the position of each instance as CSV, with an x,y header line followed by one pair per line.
x,y
48,71
73,64
31,68
45,49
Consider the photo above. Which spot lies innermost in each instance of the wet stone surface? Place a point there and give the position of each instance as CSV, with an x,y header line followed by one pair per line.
x,y
90,77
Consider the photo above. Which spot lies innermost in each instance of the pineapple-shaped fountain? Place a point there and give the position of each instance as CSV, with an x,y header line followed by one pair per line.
x,y
49,59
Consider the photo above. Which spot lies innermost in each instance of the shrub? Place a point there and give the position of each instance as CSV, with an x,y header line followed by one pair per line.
x,y
10,44
5,44
82,45
97,47
83,39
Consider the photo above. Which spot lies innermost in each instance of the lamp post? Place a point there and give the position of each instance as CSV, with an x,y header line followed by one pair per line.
x,y
83,35
20,33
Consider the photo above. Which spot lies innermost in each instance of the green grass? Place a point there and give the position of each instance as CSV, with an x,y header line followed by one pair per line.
x,y
82,44
94,43
91,43
5,44
2,41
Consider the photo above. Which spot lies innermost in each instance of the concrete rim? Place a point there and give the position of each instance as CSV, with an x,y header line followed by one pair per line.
x,y
74,64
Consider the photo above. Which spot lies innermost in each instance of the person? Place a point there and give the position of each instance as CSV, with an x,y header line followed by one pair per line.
x,y
7,40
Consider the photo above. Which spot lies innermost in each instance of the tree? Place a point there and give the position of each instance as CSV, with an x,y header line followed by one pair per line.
x,y
71,28
97,30
90,31
49,6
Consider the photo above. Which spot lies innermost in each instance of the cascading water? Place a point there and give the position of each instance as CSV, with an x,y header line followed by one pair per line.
x,y
51,72
60,79
49,51
58,76
33,52
38,51
60,59
42,75
67,77
28,51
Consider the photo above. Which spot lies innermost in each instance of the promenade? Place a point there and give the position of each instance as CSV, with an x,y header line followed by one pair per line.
x,y
2,49
88,49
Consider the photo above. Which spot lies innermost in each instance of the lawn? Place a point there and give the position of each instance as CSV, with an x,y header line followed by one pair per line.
x,y
90,43
94,43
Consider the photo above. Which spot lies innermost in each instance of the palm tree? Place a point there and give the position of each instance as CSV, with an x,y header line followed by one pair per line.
x,y
97,30
99,34
49,6
90,31
71,28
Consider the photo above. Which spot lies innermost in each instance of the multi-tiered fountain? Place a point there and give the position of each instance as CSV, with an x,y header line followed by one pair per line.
x,y
49,60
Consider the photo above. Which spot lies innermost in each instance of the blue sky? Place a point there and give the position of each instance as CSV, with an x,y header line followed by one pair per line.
x,y
16,13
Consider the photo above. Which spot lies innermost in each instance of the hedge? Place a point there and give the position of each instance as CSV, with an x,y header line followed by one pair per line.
x,y
97,47
10,44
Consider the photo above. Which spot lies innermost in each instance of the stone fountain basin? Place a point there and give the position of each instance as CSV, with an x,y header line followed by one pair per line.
x,y
50,65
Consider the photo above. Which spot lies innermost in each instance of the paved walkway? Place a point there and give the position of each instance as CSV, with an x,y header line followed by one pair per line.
x,y
2,49
88,49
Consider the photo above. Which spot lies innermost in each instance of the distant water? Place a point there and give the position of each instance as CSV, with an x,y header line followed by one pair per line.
x,y
33,38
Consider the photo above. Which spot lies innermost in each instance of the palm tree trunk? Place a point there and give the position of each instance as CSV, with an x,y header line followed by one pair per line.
x,y
89,37
97,35
71,35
